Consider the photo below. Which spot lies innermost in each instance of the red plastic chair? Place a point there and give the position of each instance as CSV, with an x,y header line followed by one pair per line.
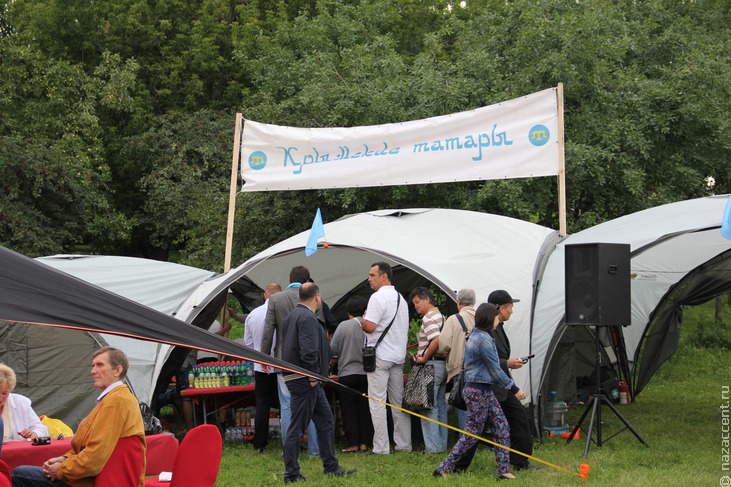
x,y
124,467
4,473
197,460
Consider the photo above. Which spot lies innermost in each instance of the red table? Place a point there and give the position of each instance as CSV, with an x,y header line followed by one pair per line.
x,y
232,395
161,450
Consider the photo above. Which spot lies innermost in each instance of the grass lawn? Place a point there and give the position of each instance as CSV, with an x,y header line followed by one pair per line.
x,y
678,414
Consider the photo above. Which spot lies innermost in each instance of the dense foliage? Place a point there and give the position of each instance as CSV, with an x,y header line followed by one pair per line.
x,y
117,119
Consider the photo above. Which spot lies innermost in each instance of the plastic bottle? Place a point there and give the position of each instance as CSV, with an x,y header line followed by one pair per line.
x,y
556,417
250,372
191,377
623,393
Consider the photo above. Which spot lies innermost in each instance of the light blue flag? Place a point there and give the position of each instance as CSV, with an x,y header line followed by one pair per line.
x,y
726,223
317,231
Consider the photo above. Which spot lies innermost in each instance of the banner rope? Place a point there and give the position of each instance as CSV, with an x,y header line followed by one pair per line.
x,y
453,428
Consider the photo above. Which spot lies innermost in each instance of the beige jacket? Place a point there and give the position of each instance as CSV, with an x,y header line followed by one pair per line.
x,y
452,340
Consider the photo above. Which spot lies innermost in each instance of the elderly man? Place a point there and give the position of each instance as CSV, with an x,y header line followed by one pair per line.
x,y
452,340
116,415
387,320
305,344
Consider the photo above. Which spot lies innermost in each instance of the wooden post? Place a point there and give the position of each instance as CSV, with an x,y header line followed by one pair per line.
x,y
232,194
561,165
233,190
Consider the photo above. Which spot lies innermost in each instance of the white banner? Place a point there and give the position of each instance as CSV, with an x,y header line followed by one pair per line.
x,y
514,139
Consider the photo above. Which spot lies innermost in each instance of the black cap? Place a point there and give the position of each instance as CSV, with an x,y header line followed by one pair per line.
x,y
501,297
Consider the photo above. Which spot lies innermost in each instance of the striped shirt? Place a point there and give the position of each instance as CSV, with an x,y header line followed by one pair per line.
x,y
431,325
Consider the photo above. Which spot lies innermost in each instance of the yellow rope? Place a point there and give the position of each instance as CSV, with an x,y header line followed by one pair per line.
x,y
552,465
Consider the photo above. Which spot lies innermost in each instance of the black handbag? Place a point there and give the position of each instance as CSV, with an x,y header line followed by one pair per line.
x,y
456,397
369,359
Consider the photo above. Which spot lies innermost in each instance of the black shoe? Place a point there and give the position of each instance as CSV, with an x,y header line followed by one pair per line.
x,y
298,478
527,466
341,472
438,472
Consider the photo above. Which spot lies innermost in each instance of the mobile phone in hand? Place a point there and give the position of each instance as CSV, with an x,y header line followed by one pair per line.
x,y
527,358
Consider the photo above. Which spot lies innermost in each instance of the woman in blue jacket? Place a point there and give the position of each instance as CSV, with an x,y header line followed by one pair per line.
x,y
482,369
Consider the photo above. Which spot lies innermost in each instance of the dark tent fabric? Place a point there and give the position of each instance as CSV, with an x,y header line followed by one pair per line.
x,y
706,282
60,386
34,293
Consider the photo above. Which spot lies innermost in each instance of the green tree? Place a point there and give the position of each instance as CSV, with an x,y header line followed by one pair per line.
x,y
137,100
53,175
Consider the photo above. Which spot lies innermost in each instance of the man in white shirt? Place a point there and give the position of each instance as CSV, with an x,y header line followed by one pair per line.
x,y
266,383
387,306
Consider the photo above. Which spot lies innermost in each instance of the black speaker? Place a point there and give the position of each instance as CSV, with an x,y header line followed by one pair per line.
x,y
598,284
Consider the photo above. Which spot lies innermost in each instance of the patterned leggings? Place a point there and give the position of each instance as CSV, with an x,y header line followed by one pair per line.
x,y
481,407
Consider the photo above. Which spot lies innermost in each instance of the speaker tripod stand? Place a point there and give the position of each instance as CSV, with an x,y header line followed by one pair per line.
x,y
595,406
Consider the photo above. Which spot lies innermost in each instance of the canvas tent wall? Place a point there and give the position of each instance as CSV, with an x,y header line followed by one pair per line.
x,y
36,294
53,364
453,249
678,256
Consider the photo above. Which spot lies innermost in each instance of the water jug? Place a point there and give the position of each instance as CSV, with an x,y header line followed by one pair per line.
x,y
556,418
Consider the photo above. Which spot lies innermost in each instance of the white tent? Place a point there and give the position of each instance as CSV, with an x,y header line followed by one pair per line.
x,y
678,256
53,365
451,248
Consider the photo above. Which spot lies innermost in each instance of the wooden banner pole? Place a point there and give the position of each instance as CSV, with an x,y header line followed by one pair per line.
x,y
232,194
233,190
561,165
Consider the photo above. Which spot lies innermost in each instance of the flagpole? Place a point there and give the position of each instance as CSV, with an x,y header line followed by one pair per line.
x,y
561,165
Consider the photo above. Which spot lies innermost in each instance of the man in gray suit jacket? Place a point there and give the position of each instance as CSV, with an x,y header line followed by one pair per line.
x,y
279,307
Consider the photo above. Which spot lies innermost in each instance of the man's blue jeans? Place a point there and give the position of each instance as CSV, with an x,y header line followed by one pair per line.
x,y
309,405
27,476
285,417
435,436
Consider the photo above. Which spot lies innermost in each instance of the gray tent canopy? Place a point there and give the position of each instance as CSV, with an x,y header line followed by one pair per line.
x,y
52,364
36,294
451,249
678,257
660,342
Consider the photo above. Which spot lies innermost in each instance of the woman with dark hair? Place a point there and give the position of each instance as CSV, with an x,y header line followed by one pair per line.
x,y
482,369
347,345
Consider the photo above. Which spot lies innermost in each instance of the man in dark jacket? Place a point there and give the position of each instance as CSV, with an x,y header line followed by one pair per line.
x,y
305,344
279,306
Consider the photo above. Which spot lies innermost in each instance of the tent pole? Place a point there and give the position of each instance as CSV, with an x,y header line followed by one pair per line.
x,y
561,165
232,194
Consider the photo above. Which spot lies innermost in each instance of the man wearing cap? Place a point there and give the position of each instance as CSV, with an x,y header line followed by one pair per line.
x,y
520,434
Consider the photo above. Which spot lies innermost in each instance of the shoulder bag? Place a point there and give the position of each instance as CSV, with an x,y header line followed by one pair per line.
x,y
456,399
369,353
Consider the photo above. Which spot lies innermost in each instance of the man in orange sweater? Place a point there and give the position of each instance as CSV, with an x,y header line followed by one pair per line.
x,y
116,415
